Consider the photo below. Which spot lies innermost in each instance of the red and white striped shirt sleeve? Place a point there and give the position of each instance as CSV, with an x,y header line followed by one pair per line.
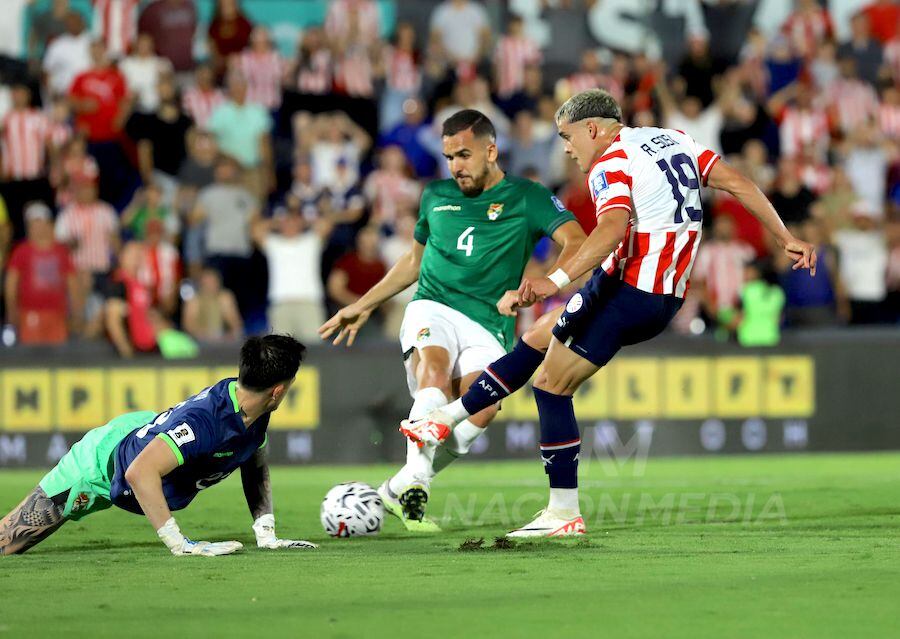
x,y
610,181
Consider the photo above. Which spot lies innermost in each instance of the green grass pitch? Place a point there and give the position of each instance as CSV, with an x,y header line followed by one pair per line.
x,y
763,546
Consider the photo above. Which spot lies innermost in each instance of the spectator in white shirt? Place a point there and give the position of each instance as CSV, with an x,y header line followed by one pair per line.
x,y
68,55
462,30
294,254
143,71
863,259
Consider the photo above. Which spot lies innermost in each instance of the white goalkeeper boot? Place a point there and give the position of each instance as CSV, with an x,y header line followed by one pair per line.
x,y
550,523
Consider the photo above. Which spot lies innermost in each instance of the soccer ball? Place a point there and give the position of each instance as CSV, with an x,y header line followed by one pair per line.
x,y
352,509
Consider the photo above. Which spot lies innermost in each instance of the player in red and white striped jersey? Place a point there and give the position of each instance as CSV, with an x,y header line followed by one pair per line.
x,y
645,184
115,22
202,98
264,69
515,51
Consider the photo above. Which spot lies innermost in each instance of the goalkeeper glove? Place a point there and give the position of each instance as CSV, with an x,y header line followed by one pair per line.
x,y
264,529
171,536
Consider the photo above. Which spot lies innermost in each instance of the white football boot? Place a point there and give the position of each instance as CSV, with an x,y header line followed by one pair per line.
x,y
430,430
549,523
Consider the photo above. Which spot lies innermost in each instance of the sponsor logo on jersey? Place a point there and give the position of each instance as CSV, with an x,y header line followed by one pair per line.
x,y
181,434
447,207
494,211
558,204
225,454
80,502
424,334
575,303
599,183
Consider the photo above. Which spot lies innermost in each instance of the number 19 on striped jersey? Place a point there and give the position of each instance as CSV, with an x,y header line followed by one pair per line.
x,y
679,162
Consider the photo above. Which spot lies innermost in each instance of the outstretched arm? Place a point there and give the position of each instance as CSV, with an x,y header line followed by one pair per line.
x,y
569,237
144,475
351,318
258,491
727,178
257,487
602,241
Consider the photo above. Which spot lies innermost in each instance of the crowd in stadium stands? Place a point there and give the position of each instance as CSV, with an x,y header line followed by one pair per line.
x,y
143,189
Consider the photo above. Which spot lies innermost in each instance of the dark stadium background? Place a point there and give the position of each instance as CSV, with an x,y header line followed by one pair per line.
x,y
801,97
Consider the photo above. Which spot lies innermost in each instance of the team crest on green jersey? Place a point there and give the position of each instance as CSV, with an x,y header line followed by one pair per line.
x,y
494,211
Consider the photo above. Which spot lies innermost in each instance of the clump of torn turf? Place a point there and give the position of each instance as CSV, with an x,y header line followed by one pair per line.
x,y
471,544
502,543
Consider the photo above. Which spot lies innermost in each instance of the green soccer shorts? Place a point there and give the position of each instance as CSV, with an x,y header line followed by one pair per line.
x,y
86,471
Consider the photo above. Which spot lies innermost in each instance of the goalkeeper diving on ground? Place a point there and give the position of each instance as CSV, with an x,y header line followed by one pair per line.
x,y
154,464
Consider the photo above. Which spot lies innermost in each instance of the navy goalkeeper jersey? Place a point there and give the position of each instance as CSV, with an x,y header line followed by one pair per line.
x,y
207,436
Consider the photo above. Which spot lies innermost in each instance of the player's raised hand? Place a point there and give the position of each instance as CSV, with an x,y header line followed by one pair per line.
x,y
509,303
803,254
264,529
347,322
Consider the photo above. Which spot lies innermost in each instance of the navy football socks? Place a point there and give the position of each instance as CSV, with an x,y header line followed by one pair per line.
x,y
560,439
502,378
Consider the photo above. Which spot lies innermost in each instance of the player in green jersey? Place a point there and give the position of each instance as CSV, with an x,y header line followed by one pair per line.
x,y
475,234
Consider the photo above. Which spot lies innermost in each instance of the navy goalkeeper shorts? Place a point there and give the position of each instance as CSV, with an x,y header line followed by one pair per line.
x,y
607,314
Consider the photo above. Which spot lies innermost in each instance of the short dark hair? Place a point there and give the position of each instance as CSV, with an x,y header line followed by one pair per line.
x,y
467,119
269,360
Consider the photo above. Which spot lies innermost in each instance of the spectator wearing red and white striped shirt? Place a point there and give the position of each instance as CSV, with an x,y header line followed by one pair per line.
x,y
75,166
264,69
402,76
201,99
807,26
851,101
313,70
390,190
801,120
892,58
26,131
353,73
25,140
161,269
719,267
90,226
514,53
60,129
115,22
889,112
352,21
589,76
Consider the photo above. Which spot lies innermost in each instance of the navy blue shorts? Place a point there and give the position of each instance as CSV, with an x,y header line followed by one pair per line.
x,y
607,314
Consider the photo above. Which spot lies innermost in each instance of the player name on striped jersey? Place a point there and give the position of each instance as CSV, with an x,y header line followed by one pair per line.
x,y
655,174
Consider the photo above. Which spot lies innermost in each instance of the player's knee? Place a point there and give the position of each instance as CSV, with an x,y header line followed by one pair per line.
x,y
555,384
540,333
434,375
